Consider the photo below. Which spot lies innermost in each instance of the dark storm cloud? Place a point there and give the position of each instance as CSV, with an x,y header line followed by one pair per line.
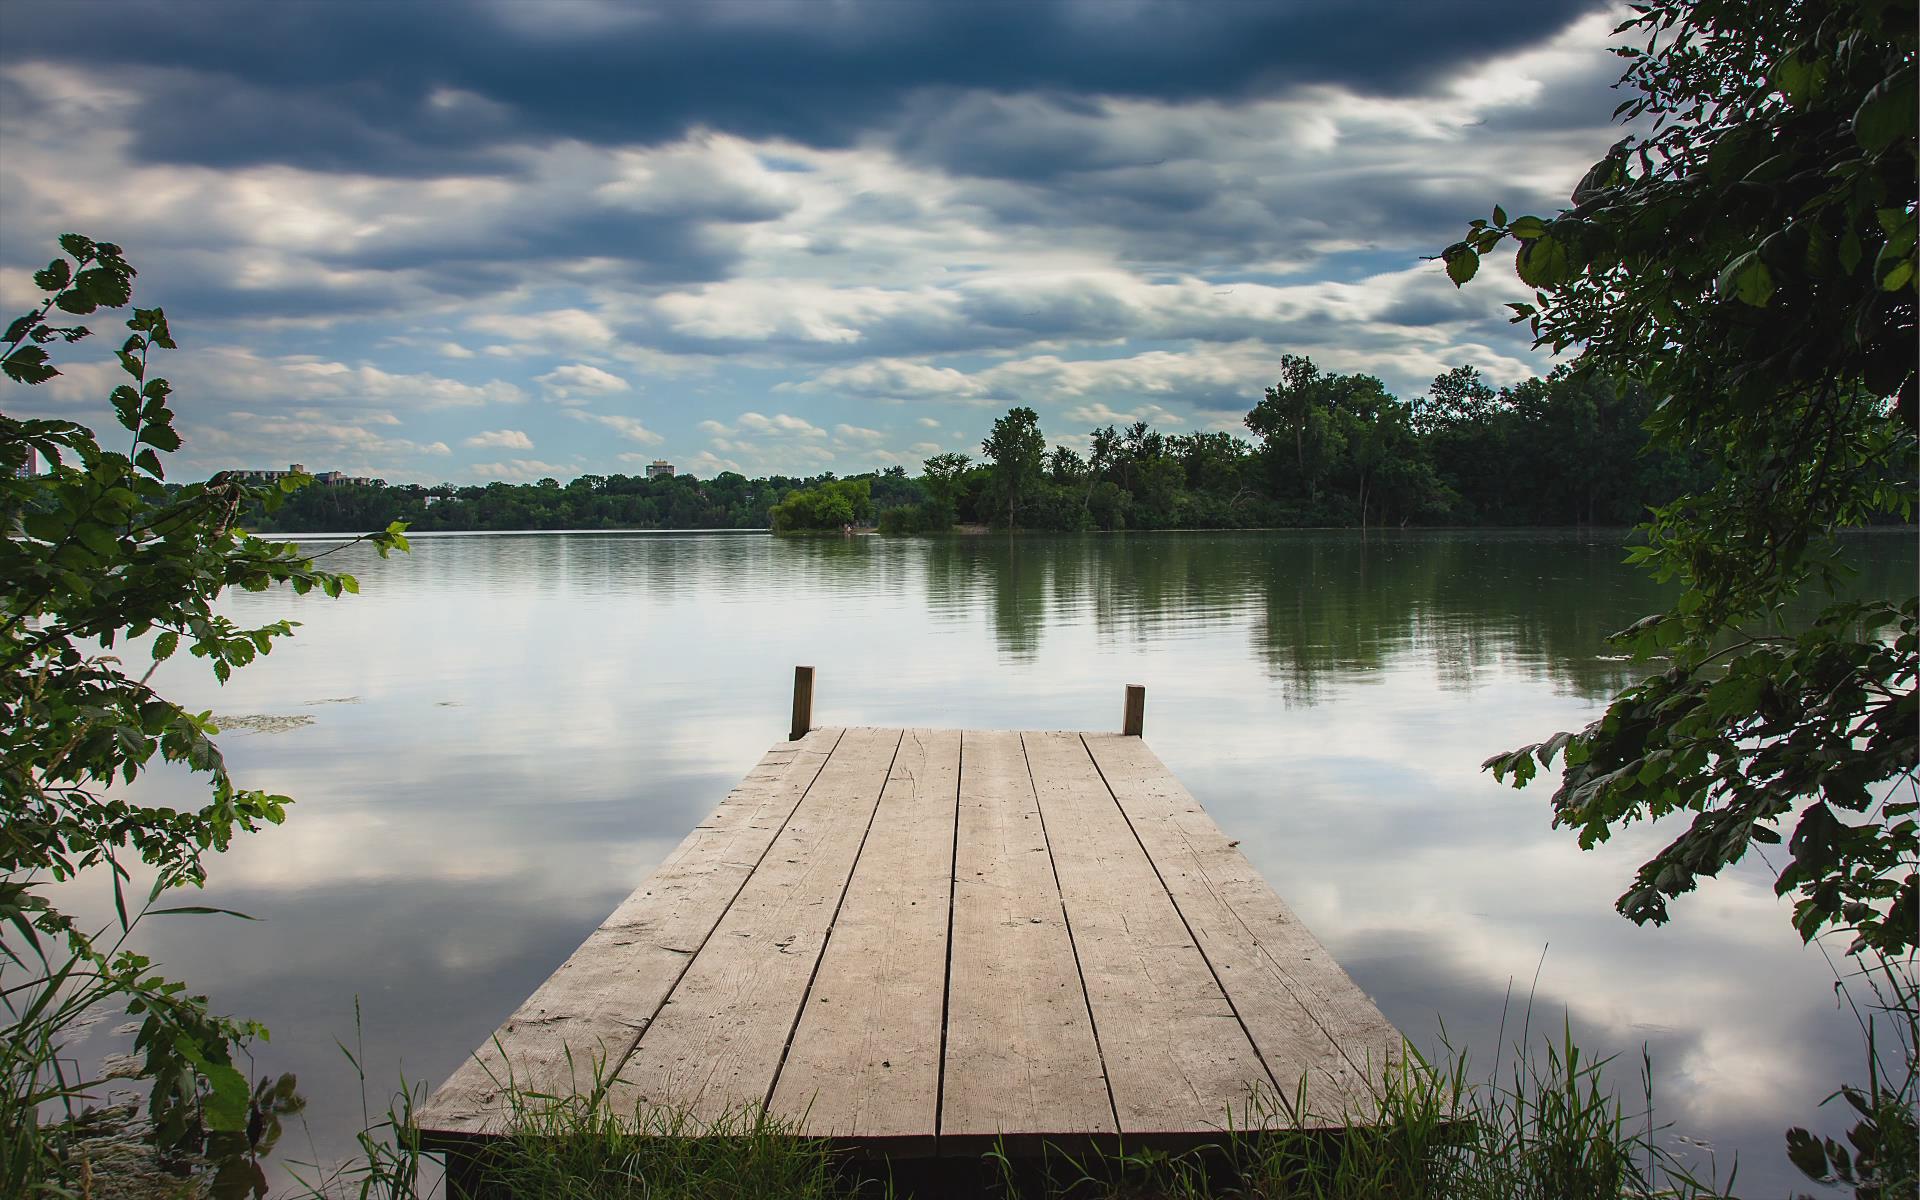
x,y
417,88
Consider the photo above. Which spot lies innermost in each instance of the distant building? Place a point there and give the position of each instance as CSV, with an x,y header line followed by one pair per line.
x,y
330,478
659,468
268,476
31,467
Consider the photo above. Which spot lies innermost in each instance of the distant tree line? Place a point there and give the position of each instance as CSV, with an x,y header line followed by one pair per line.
x,y
1326,450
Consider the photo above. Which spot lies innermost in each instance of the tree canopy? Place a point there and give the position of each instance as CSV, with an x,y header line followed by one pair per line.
x,y
1747,255
1329,450
1749,261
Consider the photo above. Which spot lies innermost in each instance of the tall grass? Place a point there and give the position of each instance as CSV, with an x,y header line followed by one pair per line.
x,y
1552,1128
1544,1124
579,1145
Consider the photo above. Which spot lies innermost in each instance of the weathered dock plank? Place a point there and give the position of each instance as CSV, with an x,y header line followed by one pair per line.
x,y
1021,1057
1176,1056
1304,1013
932,941
865,1058
718,1041
592,1010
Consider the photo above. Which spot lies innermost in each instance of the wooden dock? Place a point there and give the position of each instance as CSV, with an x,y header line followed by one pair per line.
x,y
921,941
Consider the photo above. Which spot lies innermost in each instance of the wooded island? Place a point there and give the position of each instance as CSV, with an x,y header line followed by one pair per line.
x,y
1326,450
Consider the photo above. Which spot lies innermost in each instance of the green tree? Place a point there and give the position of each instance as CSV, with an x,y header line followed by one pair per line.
x,y
1752,262
942,480
1016,448
1294,422
833,504
1750,259
101,551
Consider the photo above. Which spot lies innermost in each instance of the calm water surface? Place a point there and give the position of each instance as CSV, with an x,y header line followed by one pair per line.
x,y
507,732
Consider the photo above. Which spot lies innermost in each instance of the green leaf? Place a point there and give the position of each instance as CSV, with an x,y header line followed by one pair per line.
x,y
21,327
75,301
1746,279
28,364
1887,113
80,247
1527,228
1735,695
54,277
1799,80
1461,262
164,645
105,287
1499,215
227,1093
1850,251
126,406
202,909
1542,262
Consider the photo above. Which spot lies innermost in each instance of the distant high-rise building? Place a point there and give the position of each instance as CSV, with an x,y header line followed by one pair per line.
x,y
659,468
329,478
31,467
268,476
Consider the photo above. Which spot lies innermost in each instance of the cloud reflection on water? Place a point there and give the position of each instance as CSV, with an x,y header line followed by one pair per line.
x,y
541,719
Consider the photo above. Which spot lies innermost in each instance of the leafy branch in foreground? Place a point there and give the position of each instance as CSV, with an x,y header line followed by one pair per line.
x,y
100,551
1750,260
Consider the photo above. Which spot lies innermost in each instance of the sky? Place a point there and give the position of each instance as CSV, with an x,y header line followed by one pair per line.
x,y
469,240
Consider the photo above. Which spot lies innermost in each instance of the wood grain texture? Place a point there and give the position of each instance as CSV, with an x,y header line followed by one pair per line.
x,y
1175,1054
929,941
865,1059
1306,1016
802,702
596,1005
718,1041
1021,1057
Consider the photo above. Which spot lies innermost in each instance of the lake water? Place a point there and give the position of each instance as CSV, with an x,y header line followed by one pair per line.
x,y
503,734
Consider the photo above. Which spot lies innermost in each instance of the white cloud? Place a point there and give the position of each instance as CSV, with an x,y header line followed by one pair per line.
x,y
709,464
784,424
249,439
567,326
894,379
1097,413
505,439
627,427
857,433
577,379
521,469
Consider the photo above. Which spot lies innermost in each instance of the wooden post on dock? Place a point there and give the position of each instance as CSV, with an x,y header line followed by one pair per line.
x,y
802,703
1136,710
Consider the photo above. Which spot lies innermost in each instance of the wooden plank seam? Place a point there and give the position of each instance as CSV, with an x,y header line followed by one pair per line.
x,y
1106,1076
1279,1091
946,982
787,1047
1309,1000
601,1085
